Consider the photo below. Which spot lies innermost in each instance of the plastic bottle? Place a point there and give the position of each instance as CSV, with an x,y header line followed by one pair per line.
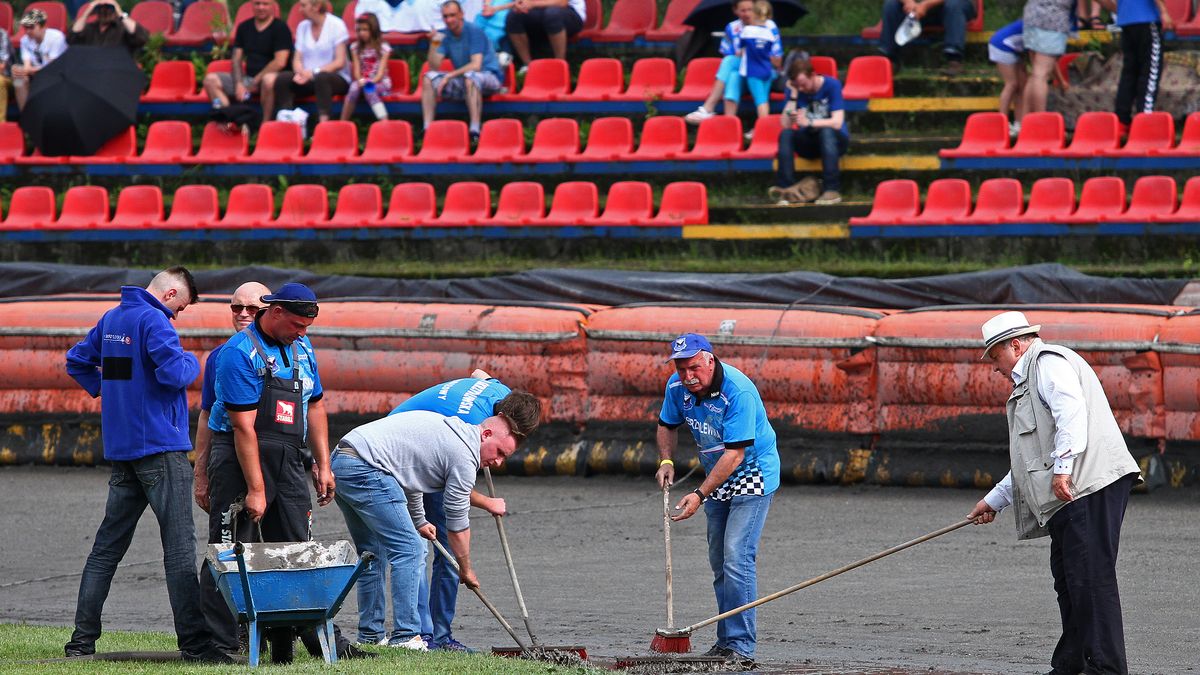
x,y
909,30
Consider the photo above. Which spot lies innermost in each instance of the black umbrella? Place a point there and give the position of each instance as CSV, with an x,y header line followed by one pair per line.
x,y
81,100
712,15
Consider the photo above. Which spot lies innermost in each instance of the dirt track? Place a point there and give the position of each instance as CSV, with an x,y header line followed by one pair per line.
x,y
589,552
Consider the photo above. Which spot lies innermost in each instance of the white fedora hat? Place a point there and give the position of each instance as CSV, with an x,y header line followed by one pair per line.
x,y
1005,327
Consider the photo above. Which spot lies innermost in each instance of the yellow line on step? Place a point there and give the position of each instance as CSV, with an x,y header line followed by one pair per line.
x,y
933,103
877,163
766,231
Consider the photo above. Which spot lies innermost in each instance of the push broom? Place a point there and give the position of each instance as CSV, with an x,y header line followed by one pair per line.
x,y
669,641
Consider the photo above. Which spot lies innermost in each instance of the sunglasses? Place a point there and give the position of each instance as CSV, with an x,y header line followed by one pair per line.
x,y
238,309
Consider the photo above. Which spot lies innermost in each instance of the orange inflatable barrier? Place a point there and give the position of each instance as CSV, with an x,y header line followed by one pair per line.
x,y
1179,349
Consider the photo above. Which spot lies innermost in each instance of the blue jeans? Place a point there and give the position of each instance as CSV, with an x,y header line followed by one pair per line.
x,y
734,527
164,483
952,16
825,144
376,512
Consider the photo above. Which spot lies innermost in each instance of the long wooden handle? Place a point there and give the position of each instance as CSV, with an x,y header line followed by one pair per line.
x,y
667,541
482,598
512,570
827,575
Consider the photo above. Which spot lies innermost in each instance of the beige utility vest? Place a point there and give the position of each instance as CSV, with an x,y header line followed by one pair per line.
x,y
1031,431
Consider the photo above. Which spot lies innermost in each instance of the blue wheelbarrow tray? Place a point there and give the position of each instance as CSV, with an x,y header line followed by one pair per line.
x,y
300,584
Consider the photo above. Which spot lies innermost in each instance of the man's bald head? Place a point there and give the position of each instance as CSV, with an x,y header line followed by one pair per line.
x,y
245,303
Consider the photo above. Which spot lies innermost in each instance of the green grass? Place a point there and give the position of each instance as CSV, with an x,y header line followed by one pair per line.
x,y
21,646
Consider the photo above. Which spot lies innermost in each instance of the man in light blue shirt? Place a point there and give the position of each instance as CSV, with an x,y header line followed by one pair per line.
x,y
476,73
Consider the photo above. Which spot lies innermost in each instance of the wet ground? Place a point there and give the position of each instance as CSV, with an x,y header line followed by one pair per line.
x,y
590,556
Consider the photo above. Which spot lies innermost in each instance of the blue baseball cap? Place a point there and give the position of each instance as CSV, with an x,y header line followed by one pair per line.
x,y
296,298
688,345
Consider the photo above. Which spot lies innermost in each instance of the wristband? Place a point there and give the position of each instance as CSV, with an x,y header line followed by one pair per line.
x,y
699,494
666,461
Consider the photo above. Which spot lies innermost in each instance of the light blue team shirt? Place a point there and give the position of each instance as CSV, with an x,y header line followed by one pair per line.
x,y
759,44
239,384
468,399
731,415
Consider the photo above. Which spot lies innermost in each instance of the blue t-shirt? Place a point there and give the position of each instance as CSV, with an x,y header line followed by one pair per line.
x,y
238,383
731,415
1130,12
468,399
208,391
472,41
1010,38
758,45
821,104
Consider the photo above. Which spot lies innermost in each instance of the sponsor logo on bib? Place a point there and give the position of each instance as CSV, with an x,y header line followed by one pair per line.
x,y
285,412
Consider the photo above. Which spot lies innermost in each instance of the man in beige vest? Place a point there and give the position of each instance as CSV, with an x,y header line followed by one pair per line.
x,y
1070,478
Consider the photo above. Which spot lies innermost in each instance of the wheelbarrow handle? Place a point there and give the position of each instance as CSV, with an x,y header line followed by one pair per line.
x,y
486,603
239,554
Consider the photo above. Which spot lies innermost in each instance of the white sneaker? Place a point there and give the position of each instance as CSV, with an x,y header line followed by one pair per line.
x,y
749,135
503,58
699,115
1014,129
415,643
522,70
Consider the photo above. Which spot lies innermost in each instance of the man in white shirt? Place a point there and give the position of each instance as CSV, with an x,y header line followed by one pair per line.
x,y
1070,479
39,46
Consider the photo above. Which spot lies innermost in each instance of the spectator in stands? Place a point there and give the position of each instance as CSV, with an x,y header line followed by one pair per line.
x,y
319,64
39,46
476,71
760,51
951,15
368,68
1006,49
558,19
113,27
492,19
261,45
1142,23
814,127
403,16
1047,25
727,75
6,55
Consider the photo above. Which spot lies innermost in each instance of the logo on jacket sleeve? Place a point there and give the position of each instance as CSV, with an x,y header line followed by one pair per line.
x,y
285,412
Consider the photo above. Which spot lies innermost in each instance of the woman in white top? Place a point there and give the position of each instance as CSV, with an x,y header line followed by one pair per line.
x,y
319,64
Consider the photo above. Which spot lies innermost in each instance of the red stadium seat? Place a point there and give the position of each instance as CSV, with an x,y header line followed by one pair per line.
x,y
672,27
358,205
400,76
6,18
824,65
194,206
985,134
1102,199
1189,142
650,79
118,149
388,141
156,16
1051,200
203,22
1153,200
556,139
349,13
765,143
246,11
303,206
1188,28
629,19
1189,206
167,142
250,205
84,206
172,82
444,141
1149,134
278,142
1096,134
138,206
219,146
662,138
12,142
500,140
411,204
31,206
1000,200
295,16
219,66
719,137
868,77
591,22
599,80
521,203
1180,10
683,203
896,202
333,142
948,201
546,80
467,203
609,139
574,203
698,79
629,203
1042,133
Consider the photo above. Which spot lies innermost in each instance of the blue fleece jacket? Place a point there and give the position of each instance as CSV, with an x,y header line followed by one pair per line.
x,y
134,361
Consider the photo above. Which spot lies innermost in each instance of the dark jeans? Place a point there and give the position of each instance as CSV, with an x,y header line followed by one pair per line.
x,y
952,16
325,86
164,483
826,144
548,20
1141,70
1084,538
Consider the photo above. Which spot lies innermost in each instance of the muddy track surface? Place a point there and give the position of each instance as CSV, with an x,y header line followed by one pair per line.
x,y
589,553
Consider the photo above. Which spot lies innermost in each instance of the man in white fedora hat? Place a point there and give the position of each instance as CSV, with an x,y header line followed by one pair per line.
x,y
1070,478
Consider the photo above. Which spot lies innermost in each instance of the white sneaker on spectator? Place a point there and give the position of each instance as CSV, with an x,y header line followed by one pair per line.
x,y
698,115
1014,129
522,70
415,643
749,135
503,58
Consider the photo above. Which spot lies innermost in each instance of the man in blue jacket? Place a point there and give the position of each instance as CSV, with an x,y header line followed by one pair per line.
x,y
133,360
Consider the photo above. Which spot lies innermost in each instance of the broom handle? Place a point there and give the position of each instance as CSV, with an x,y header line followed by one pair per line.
x,y
827,575
512,570
486,603
667,541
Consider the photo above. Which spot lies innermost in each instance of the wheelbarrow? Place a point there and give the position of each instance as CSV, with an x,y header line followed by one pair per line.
x,y
299,584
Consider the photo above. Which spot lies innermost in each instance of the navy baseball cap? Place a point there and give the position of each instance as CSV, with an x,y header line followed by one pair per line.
x,y
688,345
295,298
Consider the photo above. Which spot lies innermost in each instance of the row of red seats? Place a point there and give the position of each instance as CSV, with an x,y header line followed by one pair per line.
x,y
555,139
1181,12
250,205
1051,200
600,79
1097,134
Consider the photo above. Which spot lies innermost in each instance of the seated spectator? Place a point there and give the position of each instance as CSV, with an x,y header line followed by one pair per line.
x,y
39,46
261,45
492,18
112,28
951,15
814,127
558,19
1047,24
1006,49
727,75
476,74
403,16
320,65
368,68
761,52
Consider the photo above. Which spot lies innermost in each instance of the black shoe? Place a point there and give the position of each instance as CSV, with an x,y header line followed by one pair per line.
x,y
718,651
349,651
740,661
75,652
474,137
210,655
